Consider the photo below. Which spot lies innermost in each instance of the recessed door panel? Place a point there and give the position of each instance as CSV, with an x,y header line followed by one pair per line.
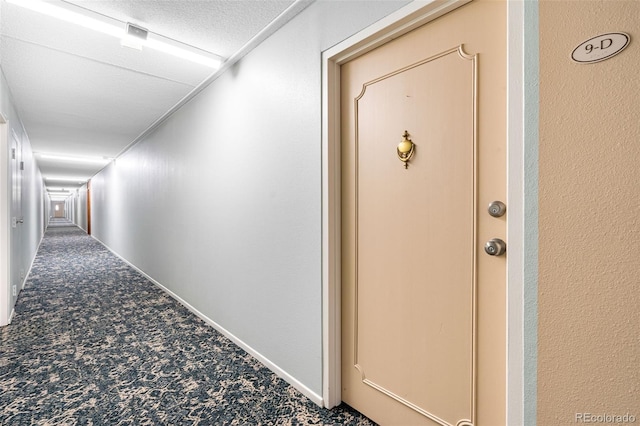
x,y
405,265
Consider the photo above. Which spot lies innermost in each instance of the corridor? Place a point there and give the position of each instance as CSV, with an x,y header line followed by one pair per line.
x,y
95,342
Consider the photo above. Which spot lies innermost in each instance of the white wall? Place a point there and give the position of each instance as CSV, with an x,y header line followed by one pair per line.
x,y
70,208
222,203
47,209
18,262
32,205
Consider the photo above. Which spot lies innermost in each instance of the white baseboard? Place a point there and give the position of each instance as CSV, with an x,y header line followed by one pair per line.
x,y
24,280
317,399
26,275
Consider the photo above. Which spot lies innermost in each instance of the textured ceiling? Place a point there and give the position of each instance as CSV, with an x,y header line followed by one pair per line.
x,y
218,26
80,92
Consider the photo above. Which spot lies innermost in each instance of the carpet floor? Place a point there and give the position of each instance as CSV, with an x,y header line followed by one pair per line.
x,y
93,342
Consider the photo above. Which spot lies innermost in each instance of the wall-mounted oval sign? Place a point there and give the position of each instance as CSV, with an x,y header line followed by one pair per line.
x,y
599,48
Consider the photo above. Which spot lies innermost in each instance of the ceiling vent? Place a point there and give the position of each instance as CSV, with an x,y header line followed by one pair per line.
x,y
134,36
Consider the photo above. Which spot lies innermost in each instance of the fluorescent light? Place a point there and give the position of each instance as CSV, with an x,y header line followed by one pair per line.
x,y
74,159
131,42
121,31
182,53
70,16
78,180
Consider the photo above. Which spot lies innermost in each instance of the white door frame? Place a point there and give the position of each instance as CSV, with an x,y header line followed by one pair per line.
x,y
5,223
398,23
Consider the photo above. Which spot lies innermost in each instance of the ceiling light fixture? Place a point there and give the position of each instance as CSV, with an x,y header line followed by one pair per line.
x,y
65,158
77,180
188,53
70,16
137,39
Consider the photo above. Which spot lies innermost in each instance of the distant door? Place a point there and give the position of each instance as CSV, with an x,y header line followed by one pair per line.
x,y
423,319
17,166
58,210
89,207
5,222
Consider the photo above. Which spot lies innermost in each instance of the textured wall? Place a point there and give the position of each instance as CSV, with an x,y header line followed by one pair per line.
x,y
221,204
589,264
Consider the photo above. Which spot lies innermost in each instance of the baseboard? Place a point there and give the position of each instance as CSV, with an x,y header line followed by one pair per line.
x,y
26,277
28,272
314,397
264,360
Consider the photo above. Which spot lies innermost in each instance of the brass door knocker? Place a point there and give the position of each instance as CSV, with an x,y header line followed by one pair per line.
x,y
405,149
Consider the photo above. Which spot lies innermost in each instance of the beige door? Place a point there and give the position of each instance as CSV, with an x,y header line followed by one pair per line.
x,y
423,305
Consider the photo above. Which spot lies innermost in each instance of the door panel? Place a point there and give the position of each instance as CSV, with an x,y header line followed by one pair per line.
x,y
16,267
89,207
411,201
413,297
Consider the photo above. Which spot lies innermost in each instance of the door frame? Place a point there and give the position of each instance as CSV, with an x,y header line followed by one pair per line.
x,y
407,18
89,207
5,223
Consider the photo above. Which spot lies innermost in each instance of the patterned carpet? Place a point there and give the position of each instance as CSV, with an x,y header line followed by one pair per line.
x,y
95,343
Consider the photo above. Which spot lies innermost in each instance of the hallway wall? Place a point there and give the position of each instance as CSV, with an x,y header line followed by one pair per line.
x,y
80,216
222,203
31,230
589,205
